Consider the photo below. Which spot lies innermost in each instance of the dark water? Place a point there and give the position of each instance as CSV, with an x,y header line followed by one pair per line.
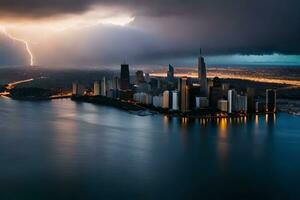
x,y
64,150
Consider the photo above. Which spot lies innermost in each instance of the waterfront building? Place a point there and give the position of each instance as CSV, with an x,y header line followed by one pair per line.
x,y
251,100
175,100
78,89
143,98
157,101
125,79
216,93
103,86
139,77
96,88
202,75
194,91
270,100
184,95
223,105
125,95
259,107
232,101
242,103
202,102
74,88
166,99
112,93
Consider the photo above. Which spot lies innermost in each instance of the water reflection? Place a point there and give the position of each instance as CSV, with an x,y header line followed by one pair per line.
x,y
101,147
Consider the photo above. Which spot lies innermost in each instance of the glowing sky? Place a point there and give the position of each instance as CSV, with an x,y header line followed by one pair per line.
x,y
83,33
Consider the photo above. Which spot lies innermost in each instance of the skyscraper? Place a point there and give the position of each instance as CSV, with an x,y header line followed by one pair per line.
x,y
166,99
184,92
96,88
216,93
74,89
170,74
242,103
202,75
116,83
125,81
175,100
232,101
104,86
78,89
270,100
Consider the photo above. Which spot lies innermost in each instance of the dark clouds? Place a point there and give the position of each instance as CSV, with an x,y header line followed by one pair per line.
x,y
176,28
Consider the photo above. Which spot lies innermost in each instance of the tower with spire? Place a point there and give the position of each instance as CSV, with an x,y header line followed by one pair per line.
x,y
202,74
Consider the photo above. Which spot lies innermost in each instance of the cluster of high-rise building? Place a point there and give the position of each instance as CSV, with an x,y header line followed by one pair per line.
x,y
181,94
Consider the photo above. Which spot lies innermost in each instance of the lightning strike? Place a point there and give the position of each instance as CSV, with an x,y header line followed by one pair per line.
x,y
80,22
10,36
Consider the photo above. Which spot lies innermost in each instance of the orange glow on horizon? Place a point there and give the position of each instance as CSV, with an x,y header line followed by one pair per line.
x,y
232,76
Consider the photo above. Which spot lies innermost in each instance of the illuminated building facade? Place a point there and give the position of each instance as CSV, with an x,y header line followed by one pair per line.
x,y
96,88
232,101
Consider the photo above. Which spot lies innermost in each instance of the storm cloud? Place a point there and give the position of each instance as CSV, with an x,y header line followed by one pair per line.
x,y
174,28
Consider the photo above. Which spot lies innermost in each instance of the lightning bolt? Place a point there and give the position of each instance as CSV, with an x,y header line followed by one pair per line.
x,y
26,44
81,23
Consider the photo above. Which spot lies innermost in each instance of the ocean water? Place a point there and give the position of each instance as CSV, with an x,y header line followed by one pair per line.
x,y
66,150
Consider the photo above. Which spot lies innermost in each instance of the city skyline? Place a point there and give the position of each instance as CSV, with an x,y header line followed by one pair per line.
x,y
149,99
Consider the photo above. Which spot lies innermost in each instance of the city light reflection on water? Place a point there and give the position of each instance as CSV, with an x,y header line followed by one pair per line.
x,y
77,148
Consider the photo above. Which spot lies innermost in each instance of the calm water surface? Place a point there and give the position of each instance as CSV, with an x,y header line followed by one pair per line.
x,y
66,150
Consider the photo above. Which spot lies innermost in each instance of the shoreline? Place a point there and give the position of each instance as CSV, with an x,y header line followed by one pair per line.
x,y
143,110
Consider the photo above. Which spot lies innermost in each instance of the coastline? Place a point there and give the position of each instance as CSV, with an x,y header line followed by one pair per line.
x,y
144,110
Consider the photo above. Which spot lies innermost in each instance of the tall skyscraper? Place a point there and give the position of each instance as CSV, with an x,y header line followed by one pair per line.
x,y
184,92
175,100
270,100
232,101
104,86
202,75
170,74
125,80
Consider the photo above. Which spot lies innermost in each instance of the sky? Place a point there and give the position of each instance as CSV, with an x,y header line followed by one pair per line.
x,y
91,33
